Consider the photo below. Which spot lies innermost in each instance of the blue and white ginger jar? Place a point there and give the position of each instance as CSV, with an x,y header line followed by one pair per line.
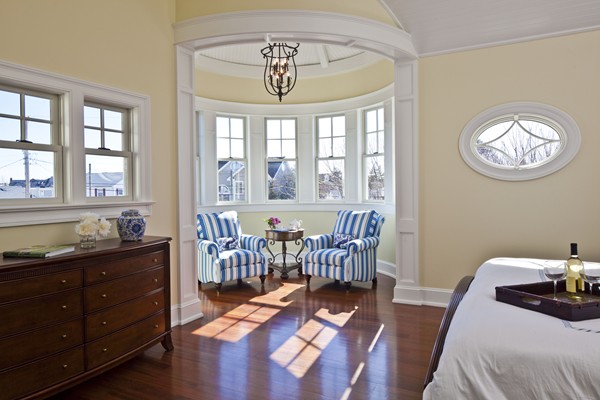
x,y
131,225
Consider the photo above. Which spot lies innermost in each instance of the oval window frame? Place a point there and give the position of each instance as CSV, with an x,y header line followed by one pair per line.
x,y
566,127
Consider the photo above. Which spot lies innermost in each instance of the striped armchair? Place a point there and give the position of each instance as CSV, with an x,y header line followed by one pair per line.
x,y
349,253
225,253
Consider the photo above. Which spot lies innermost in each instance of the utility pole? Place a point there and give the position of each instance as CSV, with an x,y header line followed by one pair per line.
x,y
26,164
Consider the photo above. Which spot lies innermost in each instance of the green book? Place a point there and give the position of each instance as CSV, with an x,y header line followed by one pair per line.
x,y
39,251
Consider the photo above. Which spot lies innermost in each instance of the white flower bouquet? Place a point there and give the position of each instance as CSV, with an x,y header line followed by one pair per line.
x,y
91,224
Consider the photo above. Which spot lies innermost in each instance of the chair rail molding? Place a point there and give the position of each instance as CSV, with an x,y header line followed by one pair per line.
x,y
328,28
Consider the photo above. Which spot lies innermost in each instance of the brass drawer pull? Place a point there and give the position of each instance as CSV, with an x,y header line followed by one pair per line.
x,y
103,295
63,281
156,326
156,303
64,307
65,366
103,273
155,260
104,350
104,323
64,336
155,280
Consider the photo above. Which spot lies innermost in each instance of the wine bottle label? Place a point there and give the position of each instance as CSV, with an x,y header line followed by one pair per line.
x,y
571,284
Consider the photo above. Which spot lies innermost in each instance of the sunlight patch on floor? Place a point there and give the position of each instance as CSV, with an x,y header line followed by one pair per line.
x,y
242,320
301,351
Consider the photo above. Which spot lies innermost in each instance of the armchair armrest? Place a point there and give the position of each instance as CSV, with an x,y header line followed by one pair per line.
x,y
356,245
253,243
208,247
318,242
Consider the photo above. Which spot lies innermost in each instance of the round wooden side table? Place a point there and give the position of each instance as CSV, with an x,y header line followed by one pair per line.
x,y
282,236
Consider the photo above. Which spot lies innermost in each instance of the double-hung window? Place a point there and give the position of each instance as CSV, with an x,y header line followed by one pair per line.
x,y
231,159
108,159
30,146
331,157
374,170
281,159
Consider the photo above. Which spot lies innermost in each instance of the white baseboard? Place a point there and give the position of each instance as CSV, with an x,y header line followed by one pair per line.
x,y
422,296
181,314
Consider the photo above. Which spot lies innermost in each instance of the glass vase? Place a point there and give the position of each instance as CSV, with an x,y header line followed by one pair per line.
x,y
87,241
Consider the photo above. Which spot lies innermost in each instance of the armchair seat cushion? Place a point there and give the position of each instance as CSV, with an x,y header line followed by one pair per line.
x,y
239,257
330,257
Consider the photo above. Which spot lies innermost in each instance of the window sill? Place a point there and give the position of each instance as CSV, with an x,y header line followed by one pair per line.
x,y
37,215
296,207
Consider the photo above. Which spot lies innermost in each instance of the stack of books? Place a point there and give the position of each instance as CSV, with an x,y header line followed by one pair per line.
x,y
39,251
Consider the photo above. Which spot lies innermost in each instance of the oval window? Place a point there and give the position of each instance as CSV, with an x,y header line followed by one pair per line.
x,y
519,141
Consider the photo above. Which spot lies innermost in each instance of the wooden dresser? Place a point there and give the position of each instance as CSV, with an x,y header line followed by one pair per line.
x,y
67,318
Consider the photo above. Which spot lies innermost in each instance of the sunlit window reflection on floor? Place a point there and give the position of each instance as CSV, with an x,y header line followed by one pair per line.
x,y
242,320
300,351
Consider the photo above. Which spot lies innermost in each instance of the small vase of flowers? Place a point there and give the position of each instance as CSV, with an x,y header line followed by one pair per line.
x,y
272,222
89,227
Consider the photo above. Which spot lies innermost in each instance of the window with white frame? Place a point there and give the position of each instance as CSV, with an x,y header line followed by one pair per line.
x,y
519,141
231,159
282,179
107,155
331,157
374,158
55,133
30,146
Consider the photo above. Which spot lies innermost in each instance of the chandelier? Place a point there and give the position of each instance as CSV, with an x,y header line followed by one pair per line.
x,y
280,68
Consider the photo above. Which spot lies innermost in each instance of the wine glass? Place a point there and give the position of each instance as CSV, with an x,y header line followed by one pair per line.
x,y
590,272
555,270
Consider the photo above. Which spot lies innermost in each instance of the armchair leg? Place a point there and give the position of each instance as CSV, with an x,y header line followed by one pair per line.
x,y
239,283
374,281
218,285
347,284
307,277
262,280
336,282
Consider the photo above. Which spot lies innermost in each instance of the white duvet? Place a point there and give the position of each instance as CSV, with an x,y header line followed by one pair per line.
x,y
498,351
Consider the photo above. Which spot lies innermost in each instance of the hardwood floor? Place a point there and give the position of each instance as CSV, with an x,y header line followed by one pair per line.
x,y
285,342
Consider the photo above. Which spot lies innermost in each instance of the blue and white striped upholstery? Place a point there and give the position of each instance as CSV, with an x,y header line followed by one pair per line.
x,y
243,262
357,262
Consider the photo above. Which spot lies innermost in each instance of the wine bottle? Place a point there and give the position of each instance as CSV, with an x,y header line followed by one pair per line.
x,y
573,278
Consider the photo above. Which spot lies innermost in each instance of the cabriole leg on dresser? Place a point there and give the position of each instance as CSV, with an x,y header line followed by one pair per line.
x,y
167,342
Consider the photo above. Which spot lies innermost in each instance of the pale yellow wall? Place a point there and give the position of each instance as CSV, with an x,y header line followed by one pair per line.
x,y
371,9
307,90
317,222
121,44
467,218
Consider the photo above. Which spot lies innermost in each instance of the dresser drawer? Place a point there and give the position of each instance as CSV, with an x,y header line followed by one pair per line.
x,y
29,346
41,311
105,271
103,322
40,285
32,377
121,342
117,291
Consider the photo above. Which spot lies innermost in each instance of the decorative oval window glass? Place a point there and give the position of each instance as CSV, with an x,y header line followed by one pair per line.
x,y
519,141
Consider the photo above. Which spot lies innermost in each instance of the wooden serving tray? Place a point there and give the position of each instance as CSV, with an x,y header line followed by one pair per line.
x,y
539,297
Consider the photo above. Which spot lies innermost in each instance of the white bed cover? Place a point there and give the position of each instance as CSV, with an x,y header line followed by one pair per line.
x,y
496,351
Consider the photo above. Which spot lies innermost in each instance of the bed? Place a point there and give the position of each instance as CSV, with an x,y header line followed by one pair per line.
x,y
494,350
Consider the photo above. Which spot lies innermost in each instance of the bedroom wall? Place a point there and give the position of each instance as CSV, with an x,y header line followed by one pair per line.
x,y
466,217
121,44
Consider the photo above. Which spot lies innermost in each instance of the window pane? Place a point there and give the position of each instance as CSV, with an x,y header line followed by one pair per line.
x,y
10,103
380,119
91,116
273,148
10,129
324,127
92,138
113,120
331,179
37,107
339,147
105,176
113,140
222,127
223,148
288,148
237,148
282,180
375,178
19,167
372,145
339,126
325,148
371,117
39,132
232,181
237,128
273,129
288,129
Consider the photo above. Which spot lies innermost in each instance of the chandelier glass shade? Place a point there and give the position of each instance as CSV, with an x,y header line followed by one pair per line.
x,y
280,68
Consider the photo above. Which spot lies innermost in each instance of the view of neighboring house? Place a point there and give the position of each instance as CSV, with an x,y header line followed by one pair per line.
x,y
100,184
232,178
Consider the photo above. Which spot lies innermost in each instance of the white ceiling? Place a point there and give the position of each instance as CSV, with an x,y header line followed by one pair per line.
x,y
436,27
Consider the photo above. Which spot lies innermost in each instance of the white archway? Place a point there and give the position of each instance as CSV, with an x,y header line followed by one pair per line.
x,y
299,26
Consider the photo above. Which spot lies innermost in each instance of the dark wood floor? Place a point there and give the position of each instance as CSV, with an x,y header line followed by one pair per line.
x,y
285,342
